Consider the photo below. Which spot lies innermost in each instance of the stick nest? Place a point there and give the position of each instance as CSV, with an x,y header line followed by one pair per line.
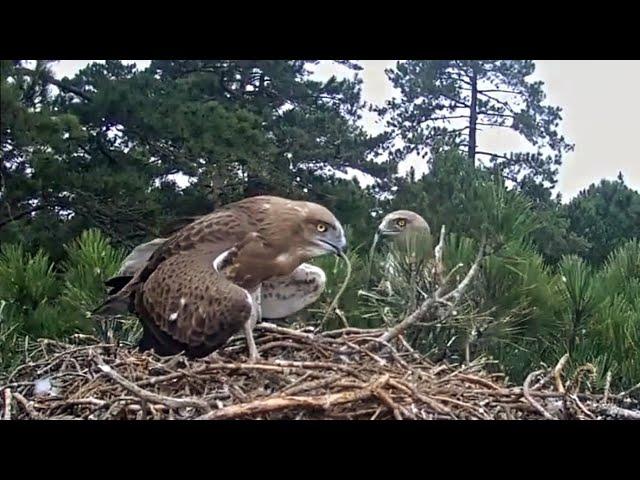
x,y
302,374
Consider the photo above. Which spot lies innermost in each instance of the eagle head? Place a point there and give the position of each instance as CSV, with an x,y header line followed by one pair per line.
x,y
319,231
402,221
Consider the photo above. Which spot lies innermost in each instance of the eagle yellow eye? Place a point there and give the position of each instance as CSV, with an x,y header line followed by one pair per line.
x,y
321,227
401,222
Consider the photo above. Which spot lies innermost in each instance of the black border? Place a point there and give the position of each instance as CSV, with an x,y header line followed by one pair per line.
x,y
543,34
533,31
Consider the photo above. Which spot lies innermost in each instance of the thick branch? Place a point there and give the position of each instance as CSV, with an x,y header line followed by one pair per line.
x,y
492,125
53,81
150,396
20,215
501,91
504,104
6,414
273,404
455,100
497,155
438,268
491,114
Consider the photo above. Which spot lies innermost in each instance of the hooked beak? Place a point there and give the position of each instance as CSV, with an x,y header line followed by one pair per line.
x,y
339,246
340,249
383,232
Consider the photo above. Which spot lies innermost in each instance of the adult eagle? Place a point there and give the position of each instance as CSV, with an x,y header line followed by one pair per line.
x,y
398,225
224,271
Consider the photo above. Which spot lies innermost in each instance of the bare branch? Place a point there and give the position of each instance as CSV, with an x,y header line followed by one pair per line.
x,y
619,412
503,103
6,415
20,215
491,154
501,91
282,403
493,125
558,370
531,400
420,314
450,117
455,100
438,267
150,396
491,114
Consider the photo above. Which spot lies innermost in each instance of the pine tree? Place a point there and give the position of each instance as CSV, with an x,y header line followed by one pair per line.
x,y
446,102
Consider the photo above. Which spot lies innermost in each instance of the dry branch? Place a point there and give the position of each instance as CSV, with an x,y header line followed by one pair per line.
x,y
301,375
281,403
6,414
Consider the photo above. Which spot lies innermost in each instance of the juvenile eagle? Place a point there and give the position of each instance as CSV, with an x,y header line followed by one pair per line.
x,y
397,225
224,271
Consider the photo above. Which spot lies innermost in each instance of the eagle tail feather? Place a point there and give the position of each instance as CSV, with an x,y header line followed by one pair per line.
x,y
115,305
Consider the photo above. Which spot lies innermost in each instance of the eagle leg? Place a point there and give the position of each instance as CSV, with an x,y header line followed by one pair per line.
x,y
251,323
253,351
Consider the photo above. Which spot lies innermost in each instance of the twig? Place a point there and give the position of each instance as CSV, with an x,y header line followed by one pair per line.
x,y
25,404
532,402
152,397
627,392
428,305
606,387
422,312
438,267
388,401
558,370
305,387
6,415
273,404
575,400
619,412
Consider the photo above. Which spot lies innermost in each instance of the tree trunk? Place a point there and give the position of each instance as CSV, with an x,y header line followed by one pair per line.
x,y
255,183
473,117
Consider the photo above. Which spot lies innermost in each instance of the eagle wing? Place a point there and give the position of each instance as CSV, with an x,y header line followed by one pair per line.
x,y
186,305
214,233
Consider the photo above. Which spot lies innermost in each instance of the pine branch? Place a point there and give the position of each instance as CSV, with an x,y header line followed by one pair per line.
x,y
491,154
428,307
455,100
501,91
504,104
489,114
53,81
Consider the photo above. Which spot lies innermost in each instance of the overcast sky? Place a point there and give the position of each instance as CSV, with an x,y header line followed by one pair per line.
x,y
600,101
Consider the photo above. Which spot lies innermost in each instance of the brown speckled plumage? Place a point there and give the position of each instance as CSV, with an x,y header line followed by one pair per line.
x,y
185,304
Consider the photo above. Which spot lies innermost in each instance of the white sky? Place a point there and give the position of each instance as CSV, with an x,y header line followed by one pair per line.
x,y
600,100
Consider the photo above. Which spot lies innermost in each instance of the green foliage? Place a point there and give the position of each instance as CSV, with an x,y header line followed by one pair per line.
x,y
606,215
90,261
101,153
39,300
445,102
104,151
610,308
518,310
27,280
